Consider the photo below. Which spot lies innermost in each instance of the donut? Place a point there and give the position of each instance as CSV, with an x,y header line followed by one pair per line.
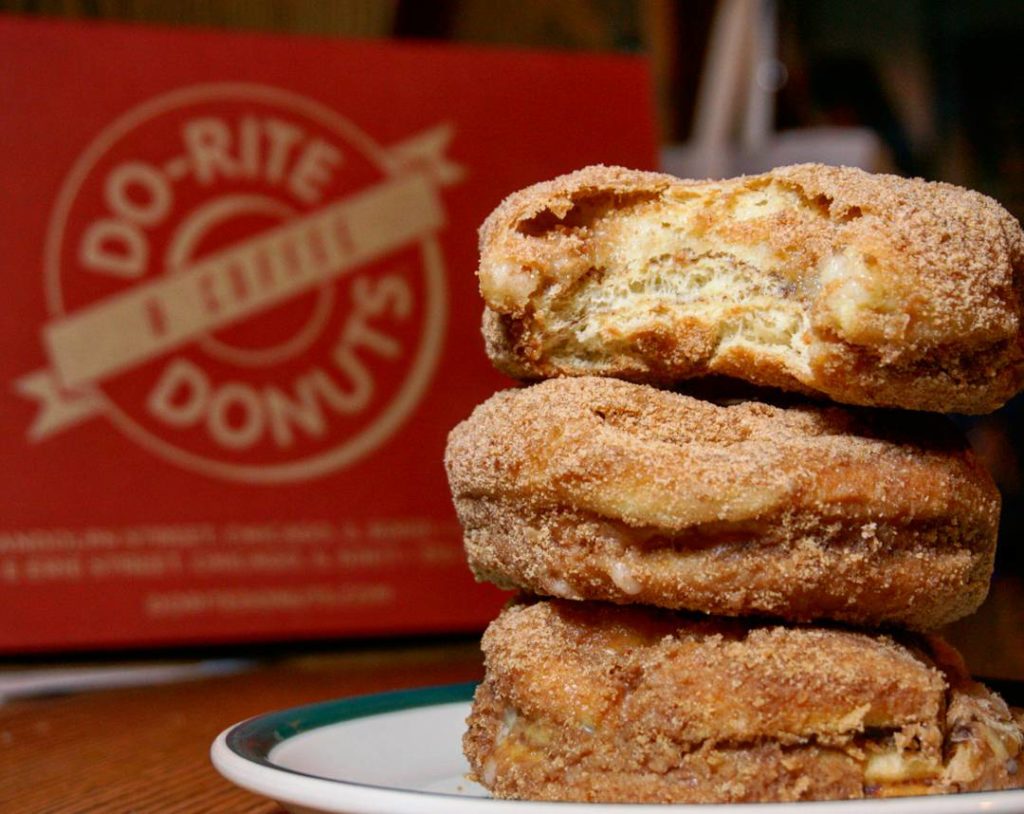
x,y
602,703
830,281
595,488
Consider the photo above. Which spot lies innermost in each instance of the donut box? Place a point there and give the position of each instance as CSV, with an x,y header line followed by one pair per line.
x,y
241,315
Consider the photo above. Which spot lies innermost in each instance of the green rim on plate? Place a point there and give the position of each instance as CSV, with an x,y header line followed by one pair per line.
x,y
255,738
253,741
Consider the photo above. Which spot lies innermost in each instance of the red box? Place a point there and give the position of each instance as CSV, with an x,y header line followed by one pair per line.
x,y
241,317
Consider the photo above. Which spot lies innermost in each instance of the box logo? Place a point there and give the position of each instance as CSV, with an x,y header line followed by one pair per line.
x,y
245,283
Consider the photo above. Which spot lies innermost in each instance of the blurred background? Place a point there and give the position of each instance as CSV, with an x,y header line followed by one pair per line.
x,y
937,81
920,87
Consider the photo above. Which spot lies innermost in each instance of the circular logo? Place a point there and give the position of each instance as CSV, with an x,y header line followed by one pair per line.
x,y
248,281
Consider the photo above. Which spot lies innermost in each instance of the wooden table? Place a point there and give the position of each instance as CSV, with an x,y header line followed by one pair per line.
x,y
146,749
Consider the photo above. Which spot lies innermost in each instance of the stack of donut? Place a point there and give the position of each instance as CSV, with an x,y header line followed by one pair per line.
x,y
727,585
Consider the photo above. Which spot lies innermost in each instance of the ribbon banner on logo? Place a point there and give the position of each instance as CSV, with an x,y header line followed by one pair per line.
x,y
232,285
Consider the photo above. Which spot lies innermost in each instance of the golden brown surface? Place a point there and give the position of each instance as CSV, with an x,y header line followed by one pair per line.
x,y
591,488
594,702
867,289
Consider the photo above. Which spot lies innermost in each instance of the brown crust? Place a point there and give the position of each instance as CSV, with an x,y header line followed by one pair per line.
x,y
593,702
596,488
934,272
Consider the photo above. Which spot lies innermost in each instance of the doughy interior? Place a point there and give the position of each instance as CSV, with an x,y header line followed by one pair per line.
x,y
718,258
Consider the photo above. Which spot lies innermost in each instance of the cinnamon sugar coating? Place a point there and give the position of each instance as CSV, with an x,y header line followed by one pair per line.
x,y
865,289
601,703
593,488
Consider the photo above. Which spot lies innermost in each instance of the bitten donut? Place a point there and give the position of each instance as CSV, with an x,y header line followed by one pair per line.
x,y
594,702
592,488
865,289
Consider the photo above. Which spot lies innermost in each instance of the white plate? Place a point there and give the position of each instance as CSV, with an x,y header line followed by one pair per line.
x,y
400,753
